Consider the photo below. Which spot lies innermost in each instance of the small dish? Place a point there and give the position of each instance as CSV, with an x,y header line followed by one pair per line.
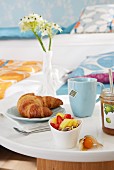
x,y
14,114
66,139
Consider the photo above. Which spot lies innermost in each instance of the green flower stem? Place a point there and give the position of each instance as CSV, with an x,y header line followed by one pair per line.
x,y
40,41
49,49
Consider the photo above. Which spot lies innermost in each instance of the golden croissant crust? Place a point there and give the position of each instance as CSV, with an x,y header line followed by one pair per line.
x,y
31,106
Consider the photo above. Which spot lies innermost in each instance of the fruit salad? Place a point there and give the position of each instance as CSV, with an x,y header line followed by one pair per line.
x,y
64,122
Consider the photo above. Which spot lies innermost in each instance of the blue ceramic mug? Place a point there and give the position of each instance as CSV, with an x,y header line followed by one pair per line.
x,y
82,95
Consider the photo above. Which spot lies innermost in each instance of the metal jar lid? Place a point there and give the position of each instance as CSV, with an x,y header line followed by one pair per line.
x,y
106,94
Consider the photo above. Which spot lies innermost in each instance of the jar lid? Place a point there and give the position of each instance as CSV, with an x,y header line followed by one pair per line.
x,y
106,93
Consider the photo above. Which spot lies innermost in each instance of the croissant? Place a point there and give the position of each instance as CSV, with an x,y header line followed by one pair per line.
x,y
31,106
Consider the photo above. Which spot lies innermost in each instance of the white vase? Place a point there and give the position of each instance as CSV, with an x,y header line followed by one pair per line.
x,y
47,85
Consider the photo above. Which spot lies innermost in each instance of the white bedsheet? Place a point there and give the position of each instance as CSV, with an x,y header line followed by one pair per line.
x,y
68,51
32,83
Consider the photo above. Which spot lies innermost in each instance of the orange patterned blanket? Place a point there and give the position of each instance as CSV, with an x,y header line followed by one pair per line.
x,y
12,71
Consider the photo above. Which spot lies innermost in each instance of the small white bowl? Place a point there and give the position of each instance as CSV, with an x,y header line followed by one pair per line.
x,y
66,139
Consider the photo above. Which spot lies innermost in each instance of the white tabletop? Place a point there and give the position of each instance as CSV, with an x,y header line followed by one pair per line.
x,y
41,145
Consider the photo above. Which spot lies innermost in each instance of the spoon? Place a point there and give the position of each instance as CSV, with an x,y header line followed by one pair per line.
x,y
111,80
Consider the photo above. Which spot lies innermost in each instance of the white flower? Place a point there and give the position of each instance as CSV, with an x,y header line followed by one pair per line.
x,y
36,24
56,26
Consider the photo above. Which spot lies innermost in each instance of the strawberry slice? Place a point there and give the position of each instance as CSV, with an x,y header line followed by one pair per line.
x,y
56,126
67,116
59,120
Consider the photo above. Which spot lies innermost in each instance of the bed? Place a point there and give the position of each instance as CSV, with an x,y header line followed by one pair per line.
x,y
71,47
69,50
91,35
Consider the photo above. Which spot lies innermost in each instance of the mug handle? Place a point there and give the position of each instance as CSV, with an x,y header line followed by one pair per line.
x,y
102,87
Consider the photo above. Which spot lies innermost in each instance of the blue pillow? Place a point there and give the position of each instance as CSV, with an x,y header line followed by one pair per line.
x,y
67,30
94,65
91,65
15,33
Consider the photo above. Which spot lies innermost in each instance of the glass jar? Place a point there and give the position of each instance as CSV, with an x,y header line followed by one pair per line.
x,y
107,111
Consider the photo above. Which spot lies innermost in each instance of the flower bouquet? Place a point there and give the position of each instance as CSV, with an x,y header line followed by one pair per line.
x,y
40,27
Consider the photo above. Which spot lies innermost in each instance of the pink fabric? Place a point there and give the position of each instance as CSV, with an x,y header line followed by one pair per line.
x,y
101,77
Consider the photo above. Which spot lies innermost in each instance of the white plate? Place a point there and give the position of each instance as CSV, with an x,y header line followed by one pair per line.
x,y
14,114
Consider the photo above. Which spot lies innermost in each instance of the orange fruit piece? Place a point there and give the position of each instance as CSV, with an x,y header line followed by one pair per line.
x,y
88,143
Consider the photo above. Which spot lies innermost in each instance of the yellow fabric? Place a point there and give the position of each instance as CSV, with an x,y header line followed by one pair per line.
x,y
12,71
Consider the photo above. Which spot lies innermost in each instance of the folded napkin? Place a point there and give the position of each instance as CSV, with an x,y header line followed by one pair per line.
x,y
28,126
